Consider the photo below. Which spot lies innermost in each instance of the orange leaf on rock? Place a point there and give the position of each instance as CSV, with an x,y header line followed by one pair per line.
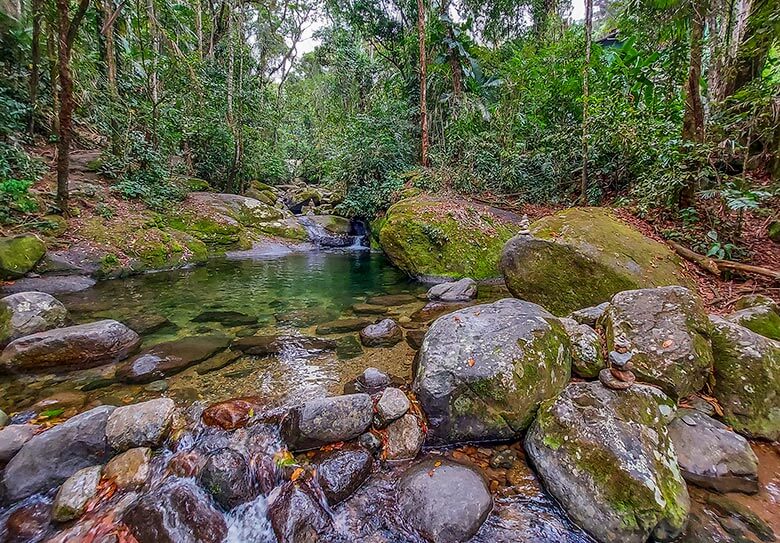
x,y
296,474
668,343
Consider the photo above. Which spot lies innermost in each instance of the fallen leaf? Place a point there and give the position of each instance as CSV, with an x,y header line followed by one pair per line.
x,y
472,362
668,343
296,474
437,464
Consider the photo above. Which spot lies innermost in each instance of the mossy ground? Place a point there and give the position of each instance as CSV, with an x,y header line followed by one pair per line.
x,y
19,254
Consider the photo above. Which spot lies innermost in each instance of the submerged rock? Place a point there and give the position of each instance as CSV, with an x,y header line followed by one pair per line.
x,y
607,458
269,345
226,318
176,512
444,501
587,358
140,425
341,472
232,414
75,347
19,255
385,333
327,420
75,492
484,370
462,290
369,309
747,379
428,236
226,476
49,458
581,257
342,326
390,300
171,357
27,313
668,333
712,456
28,523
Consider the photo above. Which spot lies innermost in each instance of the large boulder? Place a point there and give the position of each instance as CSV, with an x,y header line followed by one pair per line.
x,y
13,438
607,457
19,255
75,347
712,456
581,257
171,357
762,316
327,420
444,501
49,458
28,313
143,424
176,512
587,358
484,370
747,379
435,237
668,333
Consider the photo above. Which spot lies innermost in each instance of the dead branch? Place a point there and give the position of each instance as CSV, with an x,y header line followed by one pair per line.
x,y
716,266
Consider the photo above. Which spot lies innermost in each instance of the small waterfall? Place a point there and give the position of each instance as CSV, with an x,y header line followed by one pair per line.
x,y
322,237
248,523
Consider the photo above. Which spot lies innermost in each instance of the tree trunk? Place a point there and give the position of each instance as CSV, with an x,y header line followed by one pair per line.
x,y
36,61
423,84
199,27
110,69
53,77
693,119
585,99
154,81
755,31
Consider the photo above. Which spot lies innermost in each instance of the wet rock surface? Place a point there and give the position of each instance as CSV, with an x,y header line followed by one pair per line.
x,y
712,456
13,438
341,472
74,347
393,404
405,438
445,501
462,290
298,514
327,420
140,425
232,414
28,523
467,360
75,492
385,333
28,313
131,469
226,476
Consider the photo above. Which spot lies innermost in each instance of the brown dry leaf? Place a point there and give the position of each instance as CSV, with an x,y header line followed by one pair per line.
x,y
472,362
668,343
437,464
296,474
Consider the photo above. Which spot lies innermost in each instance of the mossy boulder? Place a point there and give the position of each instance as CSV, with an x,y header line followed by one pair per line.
x,y
195,184
581,257
587,355
432,237
747,379
668,332
19,255
26,313
606,456
333,224
762,316
482,371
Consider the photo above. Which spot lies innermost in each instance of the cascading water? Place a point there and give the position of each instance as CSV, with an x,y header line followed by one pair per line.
x,y
319,235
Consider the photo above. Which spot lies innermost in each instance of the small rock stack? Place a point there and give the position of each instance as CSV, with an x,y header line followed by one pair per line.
x,y
618,376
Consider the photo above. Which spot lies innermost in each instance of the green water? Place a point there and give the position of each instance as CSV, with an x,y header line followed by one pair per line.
x,y
287,294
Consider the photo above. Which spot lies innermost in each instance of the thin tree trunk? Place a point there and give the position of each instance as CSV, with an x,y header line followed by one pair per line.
x,y
423,84
586,99
693,119
199,27
110,69
53,78
36,61
154,81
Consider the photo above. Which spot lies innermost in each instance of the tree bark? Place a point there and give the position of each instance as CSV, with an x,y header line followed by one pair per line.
x,y
36,61
199,27
693,119
586,99
423,84
51,53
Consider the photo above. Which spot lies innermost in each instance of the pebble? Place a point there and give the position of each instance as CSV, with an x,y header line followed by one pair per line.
x,y
610,381
503,459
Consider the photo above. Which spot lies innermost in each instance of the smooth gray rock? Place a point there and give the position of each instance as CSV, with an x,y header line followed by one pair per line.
x,y
385,333
341,472
298,514
327,420
587,358
712,456
589,315
27,313
71,348
177,512
54,455
445,503
607,458
668,333
13,438
462,290
484,370
405,438
227,478
372,381
393,404
75,492
140,425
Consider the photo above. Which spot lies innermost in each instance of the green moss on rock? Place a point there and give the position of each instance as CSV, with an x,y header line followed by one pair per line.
x,y
427,236
19,255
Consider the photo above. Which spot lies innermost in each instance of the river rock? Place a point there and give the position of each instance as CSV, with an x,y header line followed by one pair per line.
x,y
371,381
668,333
143,424
327,420
28,523
587,357
227,478
342,326
581,257
589,315
462,290
226,318
176,512
131,469
429,236
444,501
747,379
269,345
75,492
148,323
405,438
27,313
171,357
301,318
607,458
385,333
297,512
392,405
348,347
19,255
391,300
4,419
232,414
50,457
761,318
712,456
13,438
414,338
75,347
433,310
369,309
341,472
484,370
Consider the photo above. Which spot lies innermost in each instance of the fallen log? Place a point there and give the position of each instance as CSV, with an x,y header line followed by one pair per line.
x,y
716,266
